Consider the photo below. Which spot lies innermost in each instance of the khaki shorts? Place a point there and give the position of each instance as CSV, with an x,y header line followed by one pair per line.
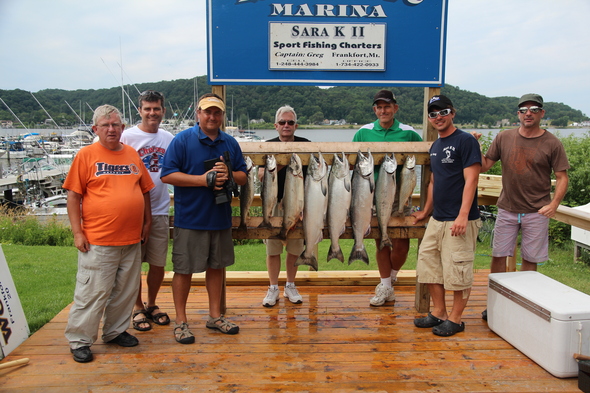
x,y
196,251
275,246
445,259
155,250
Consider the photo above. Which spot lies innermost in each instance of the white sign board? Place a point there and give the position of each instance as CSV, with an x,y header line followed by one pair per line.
x,y
14,329
327,46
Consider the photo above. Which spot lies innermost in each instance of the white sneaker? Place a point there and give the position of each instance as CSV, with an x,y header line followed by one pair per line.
x,y
382,295
271,297
292,294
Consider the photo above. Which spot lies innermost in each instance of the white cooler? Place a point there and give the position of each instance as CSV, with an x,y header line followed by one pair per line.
x,y
543,318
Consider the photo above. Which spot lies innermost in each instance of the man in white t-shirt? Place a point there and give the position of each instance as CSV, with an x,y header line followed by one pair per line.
x,y
151,143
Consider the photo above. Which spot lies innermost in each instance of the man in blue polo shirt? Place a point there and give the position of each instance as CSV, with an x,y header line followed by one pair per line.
x,y
194,164
388,129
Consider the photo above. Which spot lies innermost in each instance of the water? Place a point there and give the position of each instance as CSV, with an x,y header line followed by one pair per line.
x,y
346,134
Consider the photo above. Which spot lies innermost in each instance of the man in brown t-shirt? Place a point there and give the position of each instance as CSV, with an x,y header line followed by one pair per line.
x,y
529,154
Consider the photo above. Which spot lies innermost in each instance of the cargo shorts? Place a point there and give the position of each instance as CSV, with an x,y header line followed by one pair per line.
x,y
445,259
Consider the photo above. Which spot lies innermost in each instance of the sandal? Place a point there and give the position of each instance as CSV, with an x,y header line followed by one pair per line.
x,y
156,317
138,322
182,334
428,321
223,325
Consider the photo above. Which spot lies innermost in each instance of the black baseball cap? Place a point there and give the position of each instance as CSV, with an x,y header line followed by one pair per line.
x,y
440,102
384,95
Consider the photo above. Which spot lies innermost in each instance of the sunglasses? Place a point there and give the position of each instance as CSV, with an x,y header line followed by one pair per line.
x,y
289,122
443,113
533,109
151,93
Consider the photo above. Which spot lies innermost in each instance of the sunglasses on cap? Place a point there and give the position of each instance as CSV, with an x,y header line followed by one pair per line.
x,y
533,109
289,122
443,113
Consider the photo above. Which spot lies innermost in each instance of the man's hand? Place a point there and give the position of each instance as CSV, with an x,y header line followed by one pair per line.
x,y
81,242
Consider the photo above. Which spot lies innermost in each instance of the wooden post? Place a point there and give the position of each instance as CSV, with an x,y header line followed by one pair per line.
x,y
220,91
422,299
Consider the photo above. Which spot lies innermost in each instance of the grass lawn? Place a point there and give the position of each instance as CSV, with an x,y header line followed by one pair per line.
x,y
45,275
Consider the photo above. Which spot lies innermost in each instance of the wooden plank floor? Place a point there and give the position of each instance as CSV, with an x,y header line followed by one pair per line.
x,y
333,342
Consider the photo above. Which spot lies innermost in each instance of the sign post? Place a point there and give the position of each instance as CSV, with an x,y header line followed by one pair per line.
x,y
14,329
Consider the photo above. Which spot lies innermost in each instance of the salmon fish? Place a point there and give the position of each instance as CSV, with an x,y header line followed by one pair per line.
x,y
293,198
269,193
408,181
363,189
247,193
314,209
384,197
339,197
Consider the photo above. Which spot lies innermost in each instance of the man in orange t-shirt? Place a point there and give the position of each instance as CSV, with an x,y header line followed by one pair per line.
x,y
110,214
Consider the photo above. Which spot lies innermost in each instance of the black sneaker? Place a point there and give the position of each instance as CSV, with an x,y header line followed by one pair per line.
x,y
125,340
82,354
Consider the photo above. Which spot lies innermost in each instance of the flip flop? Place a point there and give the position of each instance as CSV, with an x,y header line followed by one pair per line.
x,y
428,321
448,328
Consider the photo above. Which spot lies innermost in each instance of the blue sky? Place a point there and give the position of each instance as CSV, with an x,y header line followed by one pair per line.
x,y
495,48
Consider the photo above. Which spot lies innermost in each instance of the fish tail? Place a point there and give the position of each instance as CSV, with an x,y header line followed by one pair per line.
x,y
242,226
359,254
265,224
385,242
282,235
335,253
309,261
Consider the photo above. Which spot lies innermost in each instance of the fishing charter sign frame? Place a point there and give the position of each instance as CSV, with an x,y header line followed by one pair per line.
x,y
14,329
330,42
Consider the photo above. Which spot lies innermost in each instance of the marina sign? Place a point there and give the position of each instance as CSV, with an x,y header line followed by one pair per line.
x,y
345,42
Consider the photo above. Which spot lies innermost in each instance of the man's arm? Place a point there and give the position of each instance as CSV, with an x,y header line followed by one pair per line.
x,y
561,184
428,204
73,206
147,217
471,176
486,163
182,179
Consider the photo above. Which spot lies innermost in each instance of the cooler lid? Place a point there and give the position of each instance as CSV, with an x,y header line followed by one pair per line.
x,y
542,294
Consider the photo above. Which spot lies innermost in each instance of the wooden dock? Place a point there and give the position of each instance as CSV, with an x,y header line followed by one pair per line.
x,y
333,342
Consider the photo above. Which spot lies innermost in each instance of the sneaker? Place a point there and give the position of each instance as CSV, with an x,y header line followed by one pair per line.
x,y
82,354
125,340
271,297
382,295
292,294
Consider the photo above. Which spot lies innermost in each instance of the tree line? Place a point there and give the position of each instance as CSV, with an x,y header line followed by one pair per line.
x,y
312,104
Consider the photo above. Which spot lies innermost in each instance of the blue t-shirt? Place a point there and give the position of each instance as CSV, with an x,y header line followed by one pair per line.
x,y
194,207
448,157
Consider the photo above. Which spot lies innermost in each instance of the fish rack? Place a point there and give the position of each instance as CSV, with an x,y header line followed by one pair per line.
x,y
398,227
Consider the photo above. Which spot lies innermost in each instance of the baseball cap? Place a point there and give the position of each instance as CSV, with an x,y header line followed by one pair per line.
x,y
208,102
531,97
384,95
440,102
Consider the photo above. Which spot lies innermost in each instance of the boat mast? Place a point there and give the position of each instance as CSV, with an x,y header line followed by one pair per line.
x,y
47,113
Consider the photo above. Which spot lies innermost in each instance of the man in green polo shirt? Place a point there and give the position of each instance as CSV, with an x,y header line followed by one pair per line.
x,y
387,129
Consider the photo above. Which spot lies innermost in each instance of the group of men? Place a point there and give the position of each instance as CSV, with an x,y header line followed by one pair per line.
x,y
118,204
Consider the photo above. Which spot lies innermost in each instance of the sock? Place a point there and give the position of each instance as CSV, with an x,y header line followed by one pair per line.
x,y
386,282
290,284
275,287
394,275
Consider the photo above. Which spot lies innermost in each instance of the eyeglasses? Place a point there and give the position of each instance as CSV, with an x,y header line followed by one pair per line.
x,y
533,109
289,122
109,125
443,113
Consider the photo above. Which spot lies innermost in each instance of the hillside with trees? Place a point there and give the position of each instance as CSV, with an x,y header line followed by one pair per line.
x,y
313,104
